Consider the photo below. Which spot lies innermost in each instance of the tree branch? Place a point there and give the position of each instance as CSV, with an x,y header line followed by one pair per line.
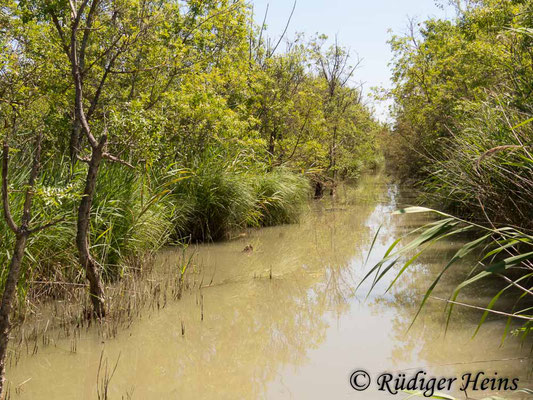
x,y
273,50
60,33
36,166
5,198
96,97
77,75
110,157
46,226
86,33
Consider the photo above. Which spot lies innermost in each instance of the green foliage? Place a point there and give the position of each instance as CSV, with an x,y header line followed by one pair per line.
x,y
216,199
50,253
462,101
462,92
219,126
488,171
127,223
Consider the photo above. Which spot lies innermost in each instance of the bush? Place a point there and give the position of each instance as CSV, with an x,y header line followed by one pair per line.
x,y
488,169
217,198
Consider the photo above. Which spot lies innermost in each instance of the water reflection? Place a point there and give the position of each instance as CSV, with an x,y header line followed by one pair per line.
x,y
282,321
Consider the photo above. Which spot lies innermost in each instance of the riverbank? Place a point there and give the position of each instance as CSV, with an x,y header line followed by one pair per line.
x,y
135,216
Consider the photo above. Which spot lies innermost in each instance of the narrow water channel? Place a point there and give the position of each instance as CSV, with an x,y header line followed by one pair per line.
x,y
283,321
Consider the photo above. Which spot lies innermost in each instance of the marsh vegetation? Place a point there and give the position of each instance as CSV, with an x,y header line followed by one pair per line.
x,y
139,137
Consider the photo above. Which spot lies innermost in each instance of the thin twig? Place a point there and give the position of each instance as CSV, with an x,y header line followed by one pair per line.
x,y
48,225
484,309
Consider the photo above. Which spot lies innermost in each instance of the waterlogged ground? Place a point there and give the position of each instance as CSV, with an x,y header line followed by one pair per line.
x,y
284,321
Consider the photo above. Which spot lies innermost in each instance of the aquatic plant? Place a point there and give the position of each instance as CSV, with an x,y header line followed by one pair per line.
x,y
487,174
220,196
505,253
130,219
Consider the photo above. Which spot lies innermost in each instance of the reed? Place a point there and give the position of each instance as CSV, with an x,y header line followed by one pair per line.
x,y
487,173
505,254
219,197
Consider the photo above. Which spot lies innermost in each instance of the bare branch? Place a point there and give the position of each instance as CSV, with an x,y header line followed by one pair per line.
x,y
263,26
110,157
96,97
285,30
484,309
86,33
102,55
77,75
60,33
46,226
73,9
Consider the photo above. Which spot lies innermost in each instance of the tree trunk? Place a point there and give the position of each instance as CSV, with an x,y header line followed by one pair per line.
x,y
21,237
333,162
7,303
75,141
319,190
96,288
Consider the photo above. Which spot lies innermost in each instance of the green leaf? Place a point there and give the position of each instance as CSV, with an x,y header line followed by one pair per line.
x,y
509,262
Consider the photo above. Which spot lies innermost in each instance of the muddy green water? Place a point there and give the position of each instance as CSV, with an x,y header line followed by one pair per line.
x,y
284,322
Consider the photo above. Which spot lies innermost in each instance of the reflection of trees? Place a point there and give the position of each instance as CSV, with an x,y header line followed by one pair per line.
x,y
253,326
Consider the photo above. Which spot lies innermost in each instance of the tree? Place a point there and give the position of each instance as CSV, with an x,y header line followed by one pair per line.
x,y
135,59
22,233
333,66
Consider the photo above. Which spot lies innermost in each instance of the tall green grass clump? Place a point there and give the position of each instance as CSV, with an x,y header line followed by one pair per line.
x,y
215,199
50,253
279,197
488,170
130,219
135,213
128,222
218,196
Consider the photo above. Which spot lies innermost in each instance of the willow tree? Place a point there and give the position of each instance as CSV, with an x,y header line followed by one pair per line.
x,y
277,87
95,36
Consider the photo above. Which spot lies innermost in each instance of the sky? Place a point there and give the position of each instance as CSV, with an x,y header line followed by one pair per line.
x,y
363,26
